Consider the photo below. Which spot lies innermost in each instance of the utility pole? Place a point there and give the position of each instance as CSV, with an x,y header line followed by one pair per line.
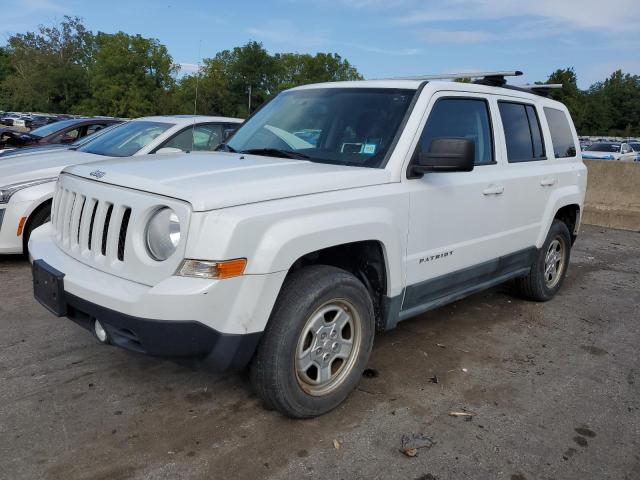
x,y
249,99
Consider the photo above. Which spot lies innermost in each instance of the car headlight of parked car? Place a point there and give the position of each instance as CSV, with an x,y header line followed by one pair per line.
x,y
7,191
163,234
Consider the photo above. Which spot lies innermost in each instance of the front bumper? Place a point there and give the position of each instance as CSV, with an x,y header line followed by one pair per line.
x,y
10,215
217,320
162,338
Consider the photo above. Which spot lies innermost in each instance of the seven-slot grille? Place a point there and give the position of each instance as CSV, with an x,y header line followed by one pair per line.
x,y
85,223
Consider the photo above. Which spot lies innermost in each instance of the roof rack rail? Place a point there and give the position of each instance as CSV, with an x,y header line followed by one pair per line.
x,y
490,76
540,89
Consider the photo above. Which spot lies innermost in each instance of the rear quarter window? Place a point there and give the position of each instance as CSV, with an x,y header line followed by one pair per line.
x,y
522,132
561,136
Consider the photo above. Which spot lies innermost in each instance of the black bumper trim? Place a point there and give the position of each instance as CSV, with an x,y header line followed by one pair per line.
x,y
166,338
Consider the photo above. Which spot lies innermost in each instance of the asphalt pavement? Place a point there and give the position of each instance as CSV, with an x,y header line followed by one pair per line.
x,y
542,391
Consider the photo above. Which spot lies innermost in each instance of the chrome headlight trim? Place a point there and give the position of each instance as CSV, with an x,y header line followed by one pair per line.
x,y
162,234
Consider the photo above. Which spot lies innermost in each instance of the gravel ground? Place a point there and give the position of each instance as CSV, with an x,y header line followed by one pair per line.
x,y
554,390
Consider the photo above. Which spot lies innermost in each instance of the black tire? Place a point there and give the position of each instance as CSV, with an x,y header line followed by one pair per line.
x,y
273,369
41,216
534,286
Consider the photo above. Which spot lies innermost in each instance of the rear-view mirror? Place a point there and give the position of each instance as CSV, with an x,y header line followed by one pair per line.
x,y
227,133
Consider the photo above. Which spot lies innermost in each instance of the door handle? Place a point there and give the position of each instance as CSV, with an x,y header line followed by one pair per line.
x,y
548,181
493,190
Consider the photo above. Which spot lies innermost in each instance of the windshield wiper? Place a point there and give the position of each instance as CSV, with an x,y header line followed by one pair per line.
x,y
225,148
275,152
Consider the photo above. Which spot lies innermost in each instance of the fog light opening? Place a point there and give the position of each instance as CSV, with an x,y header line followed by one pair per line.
x,y
100,332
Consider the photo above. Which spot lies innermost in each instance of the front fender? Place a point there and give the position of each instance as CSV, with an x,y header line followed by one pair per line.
x,y
278,250
34,196
273,235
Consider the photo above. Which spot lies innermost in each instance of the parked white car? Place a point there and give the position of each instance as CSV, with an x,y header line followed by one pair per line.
x,y
609,151
27,181
335,210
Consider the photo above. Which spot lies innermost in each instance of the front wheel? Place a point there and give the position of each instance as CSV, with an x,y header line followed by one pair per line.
x,y
317,342
550,268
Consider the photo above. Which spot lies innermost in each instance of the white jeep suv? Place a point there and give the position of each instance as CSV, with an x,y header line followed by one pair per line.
x,y
27,181
336,210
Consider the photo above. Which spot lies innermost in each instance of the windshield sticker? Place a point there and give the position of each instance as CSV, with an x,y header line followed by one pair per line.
x,y
369,148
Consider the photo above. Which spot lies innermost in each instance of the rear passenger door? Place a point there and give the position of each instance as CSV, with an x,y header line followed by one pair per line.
x,y
529,181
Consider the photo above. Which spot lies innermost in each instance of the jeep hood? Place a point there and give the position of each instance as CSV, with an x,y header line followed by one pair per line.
x,y
214,180
23,168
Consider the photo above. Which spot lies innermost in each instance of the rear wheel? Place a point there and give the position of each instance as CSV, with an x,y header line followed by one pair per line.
x,y
317,342
550,268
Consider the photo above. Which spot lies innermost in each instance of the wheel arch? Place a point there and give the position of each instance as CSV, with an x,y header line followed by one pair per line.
x,y
565,204
365,259
30,217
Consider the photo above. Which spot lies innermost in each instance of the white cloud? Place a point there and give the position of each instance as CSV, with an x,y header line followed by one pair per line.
x,y
187,68
384,51
286,33
20,18
615,15
454,36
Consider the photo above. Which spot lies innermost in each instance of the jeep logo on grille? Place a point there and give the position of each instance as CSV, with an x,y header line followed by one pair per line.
x,y
98,174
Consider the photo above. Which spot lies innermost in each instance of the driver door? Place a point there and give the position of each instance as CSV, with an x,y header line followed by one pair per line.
x,y
457,219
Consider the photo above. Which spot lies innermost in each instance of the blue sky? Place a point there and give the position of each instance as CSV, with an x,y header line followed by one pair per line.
x,y
381,38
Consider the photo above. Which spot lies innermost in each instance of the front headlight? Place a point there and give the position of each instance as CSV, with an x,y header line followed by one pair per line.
x,y
163,234
7,191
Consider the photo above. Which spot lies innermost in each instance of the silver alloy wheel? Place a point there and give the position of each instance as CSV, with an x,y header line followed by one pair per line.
x,y
328,347
554,263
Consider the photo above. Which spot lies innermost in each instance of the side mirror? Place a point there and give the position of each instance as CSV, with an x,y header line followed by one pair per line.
x,y
166,150
226,135
446,155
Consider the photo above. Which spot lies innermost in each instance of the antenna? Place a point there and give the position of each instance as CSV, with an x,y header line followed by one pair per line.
x,y
195,101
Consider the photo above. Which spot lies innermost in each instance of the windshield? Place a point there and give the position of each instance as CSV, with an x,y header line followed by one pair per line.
x,y
52,128
345,126
605,147
635,146
126,140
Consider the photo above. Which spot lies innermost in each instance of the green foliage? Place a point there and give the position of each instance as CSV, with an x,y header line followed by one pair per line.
x,y
129,76
226,80
611,107
48,68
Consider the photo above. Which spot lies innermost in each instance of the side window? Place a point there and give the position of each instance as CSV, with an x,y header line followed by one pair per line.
x,y
207,136
199,138
461,118
561,136
91,129
67,137
522,132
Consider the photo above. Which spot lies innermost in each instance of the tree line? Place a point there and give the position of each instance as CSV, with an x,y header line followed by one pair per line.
x,y
65,68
